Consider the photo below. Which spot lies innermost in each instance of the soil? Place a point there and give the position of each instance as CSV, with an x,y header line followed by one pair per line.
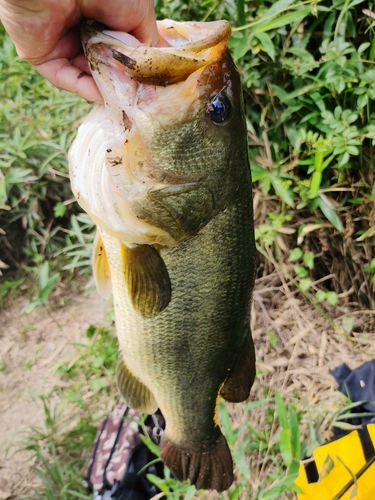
x,y
296,349
31,348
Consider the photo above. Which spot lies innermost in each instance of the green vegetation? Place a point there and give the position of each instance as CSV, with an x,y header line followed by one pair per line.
x,y
308,71
309,84
37,212
63,444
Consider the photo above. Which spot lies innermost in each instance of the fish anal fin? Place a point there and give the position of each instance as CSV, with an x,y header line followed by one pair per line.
x,y
135,393
101,269
209,467
237,386
147,279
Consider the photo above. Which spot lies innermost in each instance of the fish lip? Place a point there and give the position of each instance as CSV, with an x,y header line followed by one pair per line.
x,y
190,46
220,31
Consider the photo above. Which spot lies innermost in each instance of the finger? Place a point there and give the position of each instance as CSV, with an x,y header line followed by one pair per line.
x,y
67,47
136,17
147,33
65,76
81,63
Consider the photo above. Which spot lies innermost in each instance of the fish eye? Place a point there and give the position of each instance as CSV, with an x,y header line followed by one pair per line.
x,y
218,108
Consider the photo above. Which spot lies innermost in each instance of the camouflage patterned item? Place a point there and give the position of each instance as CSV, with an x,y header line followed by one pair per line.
x,y
118,455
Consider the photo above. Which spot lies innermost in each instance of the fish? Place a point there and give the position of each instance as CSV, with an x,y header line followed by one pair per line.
x,y
162,169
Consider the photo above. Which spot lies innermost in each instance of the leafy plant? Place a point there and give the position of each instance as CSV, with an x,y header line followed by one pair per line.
x,y
37,125
62,445
46,284
309,87
59,464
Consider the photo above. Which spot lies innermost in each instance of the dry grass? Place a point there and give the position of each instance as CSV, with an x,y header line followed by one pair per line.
x,y
298,366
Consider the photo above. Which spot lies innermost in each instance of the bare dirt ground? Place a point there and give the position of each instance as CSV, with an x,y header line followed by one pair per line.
x,y
296,349
30,348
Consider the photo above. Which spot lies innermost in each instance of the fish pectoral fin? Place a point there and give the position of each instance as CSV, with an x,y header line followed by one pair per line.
x,y
208,467
135,393
147,279
237,386
101,269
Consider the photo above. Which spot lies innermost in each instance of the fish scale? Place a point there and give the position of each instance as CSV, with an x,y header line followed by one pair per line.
x,y
168,183
195,322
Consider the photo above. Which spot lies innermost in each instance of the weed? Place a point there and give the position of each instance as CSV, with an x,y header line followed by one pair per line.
x,y
309,83
37,124
62,445
46,284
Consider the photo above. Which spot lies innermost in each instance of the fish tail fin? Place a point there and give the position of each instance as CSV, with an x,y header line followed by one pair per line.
x,y
210,467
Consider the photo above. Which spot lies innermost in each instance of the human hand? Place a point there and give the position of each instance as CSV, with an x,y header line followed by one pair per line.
x,y
45,34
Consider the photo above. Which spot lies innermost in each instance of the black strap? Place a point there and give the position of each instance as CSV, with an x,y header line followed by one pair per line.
x,y
368,448
135,486
357,476
366,442
88,475
106,483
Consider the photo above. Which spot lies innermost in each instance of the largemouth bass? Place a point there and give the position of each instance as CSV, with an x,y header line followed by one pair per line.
x,y
162,169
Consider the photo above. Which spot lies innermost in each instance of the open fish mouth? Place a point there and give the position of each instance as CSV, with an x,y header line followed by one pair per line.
x,y
183,49
148,93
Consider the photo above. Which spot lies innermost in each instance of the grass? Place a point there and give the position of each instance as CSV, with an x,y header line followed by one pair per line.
x,y
63,444
292,408
37,125
309,83
308,78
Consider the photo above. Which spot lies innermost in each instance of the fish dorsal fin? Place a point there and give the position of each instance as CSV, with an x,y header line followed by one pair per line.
x,y
101,269
147,279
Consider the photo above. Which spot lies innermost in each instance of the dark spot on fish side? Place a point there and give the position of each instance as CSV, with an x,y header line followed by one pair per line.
x,y
126,121
109,150
115,161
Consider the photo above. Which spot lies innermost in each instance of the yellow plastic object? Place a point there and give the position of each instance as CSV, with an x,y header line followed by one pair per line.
x,y
343,469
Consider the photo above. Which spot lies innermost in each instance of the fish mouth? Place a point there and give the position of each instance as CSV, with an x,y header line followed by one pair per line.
x,y
184,48
148,93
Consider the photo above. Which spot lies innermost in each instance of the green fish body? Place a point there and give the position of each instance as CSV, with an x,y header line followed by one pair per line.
x,y
162,169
